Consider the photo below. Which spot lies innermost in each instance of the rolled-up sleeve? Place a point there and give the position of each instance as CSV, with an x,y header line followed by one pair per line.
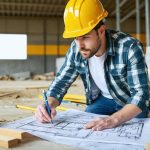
x,y
65,77
138,80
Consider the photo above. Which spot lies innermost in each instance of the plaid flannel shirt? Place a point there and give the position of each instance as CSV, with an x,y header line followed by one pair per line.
x,y
126,72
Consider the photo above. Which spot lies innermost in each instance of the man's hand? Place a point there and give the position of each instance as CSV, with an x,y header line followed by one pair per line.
x,y
98,124
128,112
42,115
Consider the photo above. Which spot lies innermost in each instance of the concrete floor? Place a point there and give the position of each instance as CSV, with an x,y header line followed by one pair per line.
x,y
26,93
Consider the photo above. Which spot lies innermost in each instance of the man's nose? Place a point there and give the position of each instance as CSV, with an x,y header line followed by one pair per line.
x,y
81,45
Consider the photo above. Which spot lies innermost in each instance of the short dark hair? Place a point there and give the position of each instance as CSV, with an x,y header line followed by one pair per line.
x,y
99,25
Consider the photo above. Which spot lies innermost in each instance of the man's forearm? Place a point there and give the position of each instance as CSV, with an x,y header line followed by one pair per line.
x,y
126,113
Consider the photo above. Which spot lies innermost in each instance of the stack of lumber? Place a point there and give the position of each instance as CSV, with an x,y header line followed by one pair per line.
x,y
11,138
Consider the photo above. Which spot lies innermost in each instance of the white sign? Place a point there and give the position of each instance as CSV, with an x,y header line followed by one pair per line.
x,y
13,46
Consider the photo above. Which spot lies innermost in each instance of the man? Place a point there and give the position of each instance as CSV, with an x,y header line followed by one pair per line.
x,y
111,65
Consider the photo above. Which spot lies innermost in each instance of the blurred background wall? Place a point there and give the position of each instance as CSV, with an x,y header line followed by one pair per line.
x,y
42,21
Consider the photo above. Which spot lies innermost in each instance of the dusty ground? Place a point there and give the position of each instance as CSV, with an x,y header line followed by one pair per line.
x,y
27,93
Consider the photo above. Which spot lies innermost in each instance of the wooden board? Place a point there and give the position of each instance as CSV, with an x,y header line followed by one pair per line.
x,y
6,94
81,99
11,137
14,133
147,146
8,142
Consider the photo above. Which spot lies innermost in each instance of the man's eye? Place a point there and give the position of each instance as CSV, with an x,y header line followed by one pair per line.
x,y
86,37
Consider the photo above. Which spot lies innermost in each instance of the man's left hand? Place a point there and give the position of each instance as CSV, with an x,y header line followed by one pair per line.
x,y
128,112
98,124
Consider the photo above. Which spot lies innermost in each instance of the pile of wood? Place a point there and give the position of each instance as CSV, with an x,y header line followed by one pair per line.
x,y
11,138
28,76
46,76
6,77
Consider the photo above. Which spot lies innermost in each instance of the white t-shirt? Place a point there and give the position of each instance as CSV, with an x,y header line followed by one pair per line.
x,y
96,66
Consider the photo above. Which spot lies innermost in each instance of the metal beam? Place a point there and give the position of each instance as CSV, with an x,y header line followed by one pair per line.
x,y
138,18
117,14
147,25
45,43
9,4
147,22
120,5
131,13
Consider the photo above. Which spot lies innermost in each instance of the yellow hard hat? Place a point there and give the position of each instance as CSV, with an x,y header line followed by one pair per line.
x,y
81,16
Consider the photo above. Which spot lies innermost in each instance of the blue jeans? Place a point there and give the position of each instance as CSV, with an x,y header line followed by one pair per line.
x,y
106,106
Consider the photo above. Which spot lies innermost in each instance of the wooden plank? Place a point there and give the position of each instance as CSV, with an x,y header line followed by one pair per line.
x,y
74,100
147,146
37,87
33,109
15,133
75,96
26,107
8,142
81,99
6,94
62,108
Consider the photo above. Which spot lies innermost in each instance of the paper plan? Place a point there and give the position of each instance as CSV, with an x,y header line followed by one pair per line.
x,y
68,129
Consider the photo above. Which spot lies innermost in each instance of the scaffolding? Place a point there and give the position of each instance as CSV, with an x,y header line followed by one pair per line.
x,y
119,20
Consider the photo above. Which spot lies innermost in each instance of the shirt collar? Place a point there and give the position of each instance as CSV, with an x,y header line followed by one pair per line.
x,y
110,43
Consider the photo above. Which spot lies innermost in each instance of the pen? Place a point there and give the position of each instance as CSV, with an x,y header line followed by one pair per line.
x,y
47,105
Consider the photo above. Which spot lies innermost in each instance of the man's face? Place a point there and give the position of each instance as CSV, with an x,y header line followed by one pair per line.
x,y
89,44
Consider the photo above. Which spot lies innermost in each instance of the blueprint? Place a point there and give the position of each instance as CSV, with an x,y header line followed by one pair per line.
x,y
67,128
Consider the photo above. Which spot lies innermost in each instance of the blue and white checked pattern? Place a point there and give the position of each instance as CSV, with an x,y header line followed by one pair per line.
x,y
126,72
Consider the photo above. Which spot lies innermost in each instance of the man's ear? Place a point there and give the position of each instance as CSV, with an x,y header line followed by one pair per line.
x,y
102,29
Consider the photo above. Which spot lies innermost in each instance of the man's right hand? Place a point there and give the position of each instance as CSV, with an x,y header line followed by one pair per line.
x,y
42,115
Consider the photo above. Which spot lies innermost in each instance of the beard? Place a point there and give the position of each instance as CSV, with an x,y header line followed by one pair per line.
x,y
88,53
